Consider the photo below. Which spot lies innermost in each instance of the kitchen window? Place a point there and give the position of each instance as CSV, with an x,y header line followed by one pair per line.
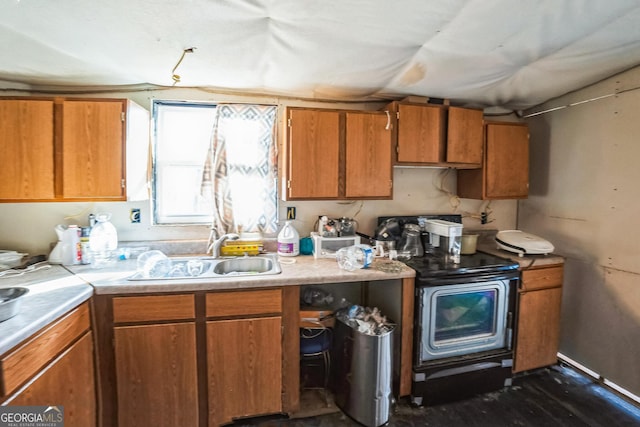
x,y
215,164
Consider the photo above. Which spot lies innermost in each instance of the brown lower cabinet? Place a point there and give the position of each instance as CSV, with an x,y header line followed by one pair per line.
x,y
156,375
206,358
244,361
538,331
193,359
55,367
244,354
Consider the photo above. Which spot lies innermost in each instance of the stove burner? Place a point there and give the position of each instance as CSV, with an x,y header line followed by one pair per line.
x,y
430,266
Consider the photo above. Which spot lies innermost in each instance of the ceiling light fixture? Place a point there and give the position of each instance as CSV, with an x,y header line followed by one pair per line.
x,y
174,76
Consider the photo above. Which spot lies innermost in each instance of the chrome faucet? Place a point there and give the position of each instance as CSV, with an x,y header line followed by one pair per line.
x,y
215,246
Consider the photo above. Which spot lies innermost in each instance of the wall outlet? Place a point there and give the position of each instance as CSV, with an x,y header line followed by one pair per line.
x,y
134,216
483,218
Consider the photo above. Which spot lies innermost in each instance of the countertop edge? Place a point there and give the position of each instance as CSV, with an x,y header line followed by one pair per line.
x,y
305,270
28,325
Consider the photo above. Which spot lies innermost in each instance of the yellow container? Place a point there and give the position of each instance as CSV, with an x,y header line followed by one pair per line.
x,y
240,250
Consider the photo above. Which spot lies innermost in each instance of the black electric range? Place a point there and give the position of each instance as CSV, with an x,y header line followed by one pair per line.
x,y
432,266
436,267
453,359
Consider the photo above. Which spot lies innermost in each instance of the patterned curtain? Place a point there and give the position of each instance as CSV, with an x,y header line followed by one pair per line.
x,y
240,172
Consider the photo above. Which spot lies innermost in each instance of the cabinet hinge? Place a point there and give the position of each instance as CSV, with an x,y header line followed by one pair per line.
x,y
289,122
397,115
122,116
289,184
390,183
122,183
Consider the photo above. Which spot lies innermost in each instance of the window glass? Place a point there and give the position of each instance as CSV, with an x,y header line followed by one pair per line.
x,y
182,138
215,164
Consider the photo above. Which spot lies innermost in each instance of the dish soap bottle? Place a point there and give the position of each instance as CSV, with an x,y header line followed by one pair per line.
x,y
103,240
288,240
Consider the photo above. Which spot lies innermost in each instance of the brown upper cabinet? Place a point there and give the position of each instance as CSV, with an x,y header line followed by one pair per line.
x,y
26,135
437,135
337,154
66,149
505,169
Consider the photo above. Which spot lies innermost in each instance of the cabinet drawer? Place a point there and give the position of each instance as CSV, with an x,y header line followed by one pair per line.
x,y
542,278
153,308
21,364
243,303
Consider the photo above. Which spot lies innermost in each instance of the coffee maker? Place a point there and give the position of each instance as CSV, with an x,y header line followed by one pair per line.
x,y
445,238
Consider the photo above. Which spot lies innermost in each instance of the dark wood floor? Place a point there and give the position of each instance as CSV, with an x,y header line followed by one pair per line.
x,y
558,396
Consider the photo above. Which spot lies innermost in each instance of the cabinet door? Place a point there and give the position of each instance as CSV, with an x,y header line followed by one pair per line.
x,y
69,382
421,134
313,153
368,155
26,135
507,163
538,332
464,136
93,138
244,362
156,375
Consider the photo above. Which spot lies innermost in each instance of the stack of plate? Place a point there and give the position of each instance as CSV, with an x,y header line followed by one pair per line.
x,y
10,259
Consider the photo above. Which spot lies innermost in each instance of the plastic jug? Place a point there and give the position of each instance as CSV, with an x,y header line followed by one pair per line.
x,y
288,240
103,240
354,257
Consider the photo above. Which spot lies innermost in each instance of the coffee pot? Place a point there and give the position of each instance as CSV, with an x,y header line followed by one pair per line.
x,y
346,226
411,240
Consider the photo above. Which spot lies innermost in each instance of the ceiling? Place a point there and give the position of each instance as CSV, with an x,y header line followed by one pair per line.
x,y
508,53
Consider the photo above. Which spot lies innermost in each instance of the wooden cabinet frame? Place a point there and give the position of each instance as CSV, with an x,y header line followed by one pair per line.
x,y
55,366
337,155
437,135
76,147
505,169
124,317
538,326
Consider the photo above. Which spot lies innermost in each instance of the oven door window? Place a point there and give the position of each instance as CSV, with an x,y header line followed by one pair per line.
x,y
465,315
462,319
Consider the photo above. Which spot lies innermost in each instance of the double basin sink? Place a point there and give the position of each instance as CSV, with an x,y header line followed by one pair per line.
x,y
214,268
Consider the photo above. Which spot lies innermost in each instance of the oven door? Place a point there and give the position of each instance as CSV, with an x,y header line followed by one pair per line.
x,y
459,319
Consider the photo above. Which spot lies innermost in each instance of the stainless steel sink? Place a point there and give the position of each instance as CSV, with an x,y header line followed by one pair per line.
x,y
10,300
241,266
207,267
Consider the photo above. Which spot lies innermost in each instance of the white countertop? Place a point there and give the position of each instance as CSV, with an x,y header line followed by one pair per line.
x,y
52,292
300,270
55,290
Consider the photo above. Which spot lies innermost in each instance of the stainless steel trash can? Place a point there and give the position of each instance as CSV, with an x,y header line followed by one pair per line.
x,y
362,374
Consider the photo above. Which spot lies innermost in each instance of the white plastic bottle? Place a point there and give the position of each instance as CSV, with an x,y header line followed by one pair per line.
x,y
288,240
354,257
70,242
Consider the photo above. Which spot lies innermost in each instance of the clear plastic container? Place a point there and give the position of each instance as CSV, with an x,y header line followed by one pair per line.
x,y
154,264
103,241
355,257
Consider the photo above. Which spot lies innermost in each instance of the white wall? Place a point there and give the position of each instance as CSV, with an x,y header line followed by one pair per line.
x,y
29,227
584,198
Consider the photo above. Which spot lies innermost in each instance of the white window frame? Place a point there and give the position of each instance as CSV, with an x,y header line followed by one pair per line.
x,y
159,166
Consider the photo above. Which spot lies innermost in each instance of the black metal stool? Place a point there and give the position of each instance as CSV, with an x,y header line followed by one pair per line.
x,y
315,348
